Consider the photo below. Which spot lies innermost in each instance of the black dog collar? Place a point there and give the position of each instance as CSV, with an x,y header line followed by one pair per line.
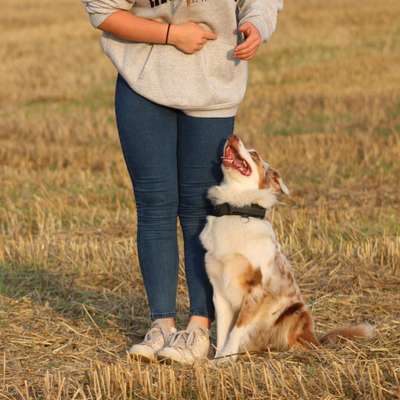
x,y
254,210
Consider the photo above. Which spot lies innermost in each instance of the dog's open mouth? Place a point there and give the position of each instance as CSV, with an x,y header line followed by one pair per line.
x,y
232,159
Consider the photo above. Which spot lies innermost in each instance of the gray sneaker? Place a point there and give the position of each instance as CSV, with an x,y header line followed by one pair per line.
x,y
155,339
186,346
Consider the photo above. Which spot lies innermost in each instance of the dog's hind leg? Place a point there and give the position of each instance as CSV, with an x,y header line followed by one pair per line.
x,y
258,306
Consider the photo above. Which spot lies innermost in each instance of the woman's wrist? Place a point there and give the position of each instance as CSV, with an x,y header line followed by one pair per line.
x,y
127,26
171,34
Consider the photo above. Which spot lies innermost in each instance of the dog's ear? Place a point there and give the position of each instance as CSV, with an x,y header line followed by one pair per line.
x,y
275,182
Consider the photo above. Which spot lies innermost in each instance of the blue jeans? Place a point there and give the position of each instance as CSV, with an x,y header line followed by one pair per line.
x,y
172,159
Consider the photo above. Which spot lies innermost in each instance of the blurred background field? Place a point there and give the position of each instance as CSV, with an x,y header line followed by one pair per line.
x,y
323,106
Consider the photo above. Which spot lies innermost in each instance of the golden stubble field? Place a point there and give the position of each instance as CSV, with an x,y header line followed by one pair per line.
x,y
323,106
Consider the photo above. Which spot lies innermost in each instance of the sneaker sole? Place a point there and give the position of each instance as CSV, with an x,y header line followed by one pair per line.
x,y
142,358
171,361
168,360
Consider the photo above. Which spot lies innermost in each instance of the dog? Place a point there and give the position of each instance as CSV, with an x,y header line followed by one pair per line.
x,y
258,303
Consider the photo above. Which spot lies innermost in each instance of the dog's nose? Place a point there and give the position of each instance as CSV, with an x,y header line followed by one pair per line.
x,y
233,138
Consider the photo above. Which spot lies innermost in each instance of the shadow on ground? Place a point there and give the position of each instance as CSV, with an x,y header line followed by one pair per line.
x,y
63,293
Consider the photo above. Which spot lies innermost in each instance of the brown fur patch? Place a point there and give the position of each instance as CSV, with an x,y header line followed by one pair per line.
x,y
302,331
289,311
272,180
289,276
250,278
248,311
262,179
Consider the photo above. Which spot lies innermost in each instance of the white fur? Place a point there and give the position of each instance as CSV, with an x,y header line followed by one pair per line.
x,y
253,238
226,193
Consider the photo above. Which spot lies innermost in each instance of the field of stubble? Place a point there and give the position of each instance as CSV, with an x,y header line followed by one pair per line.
x,y
323,106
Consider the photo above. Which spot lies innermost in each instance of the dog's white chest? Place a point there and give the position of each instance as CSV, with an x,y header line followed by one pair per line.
x,y
251,237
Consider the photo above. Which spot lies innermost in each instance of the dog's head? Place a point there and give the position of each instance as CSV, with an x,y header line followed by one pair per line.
x,y
246,169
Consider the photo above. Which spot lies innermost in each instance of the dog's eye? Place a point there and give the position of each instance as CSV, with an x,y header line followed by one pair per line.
x,y
253,154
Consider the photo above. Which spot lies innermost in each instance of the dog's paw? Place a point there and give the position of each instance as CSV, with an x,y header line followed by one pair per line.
x,y
218,362
223,359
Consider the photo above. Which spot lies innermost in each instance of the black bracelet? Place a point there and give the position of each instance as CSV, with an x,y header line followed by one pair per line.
x,y
166,39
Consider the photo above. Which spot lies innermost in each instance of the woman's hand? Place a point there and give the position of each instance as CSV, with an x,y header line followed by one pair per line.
x,y
189,37
248,49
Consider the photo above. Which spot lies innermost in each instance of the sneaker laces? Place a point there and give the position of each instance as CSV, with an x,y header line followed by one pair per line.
x,y
156,329
184,338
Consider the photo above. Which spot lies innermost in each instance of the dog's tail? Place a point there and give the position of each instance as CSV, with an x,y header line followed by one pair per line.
x,y
363,330
295,324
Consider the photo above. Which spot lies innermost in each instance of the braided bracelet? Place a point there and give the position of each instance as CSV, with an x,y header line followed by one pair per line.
x,y
166,38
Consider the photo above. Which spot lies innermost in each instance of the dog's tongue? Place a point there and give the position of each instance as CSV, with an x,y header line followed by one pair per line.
x,y
237,163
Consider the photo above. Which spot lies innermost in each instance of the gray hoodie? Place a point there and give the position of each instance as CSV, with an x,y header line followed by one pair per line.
x,y
208,83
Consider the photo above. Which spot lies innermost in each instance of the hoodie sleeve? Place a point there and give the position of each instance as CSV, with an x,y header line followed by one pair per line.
x,y
263,14
99,10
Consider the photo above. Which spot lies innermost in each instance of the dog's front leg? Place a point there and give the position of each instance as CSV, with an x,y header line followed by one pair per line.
x,y
224,317
232,346
250,305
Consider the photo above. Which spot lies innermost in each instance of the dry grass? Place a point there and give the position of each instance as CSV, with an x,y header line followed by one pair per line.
x,y
323,106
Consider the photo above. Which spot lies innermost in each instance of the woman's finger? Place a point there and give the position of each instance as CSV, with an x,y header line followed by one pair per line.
x,y
247,43
209,35
243,46
248,58
246,28
244,56
247,55
252,47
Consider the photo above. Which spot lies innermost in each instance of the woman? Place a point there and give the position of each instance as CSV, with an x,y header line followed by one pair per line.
x,y
182,72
